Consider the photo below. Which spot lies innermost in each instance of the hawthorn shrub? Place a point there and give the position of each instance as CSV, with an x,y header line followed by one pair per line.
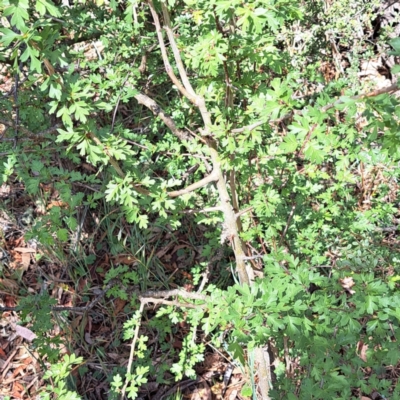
x,y
252,117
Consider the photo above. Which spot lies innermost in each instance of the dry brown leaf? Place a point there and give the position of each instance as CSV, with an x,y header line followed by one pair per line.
x,y
126,259
9,284
362,350
82,283
25,261
76,322
347,284
88,339
25,333
119,305
5,190
57,203
17,390
24,250
232,395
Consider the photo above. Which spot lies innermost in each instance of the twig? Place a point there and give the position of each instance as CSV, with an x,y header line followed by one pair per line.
x,y
307,138
241,212
175,50
389,89
160,113
30,133
248,127
203,210
117,105
197,185
82,309
132,352
168,67
175,303
181,385
287,223
204,278
174,292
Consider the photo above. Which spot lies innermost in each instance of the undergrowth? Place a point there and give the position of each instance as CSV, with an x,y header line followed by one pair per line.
x,y
224,200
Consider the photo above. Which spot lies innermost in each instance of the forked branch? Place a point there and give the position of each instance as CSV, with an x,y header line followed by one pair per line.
x,y
231,231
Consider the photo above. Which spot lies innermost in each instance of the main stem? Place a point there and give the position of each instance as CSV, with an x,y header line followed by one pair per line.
x,y
230,227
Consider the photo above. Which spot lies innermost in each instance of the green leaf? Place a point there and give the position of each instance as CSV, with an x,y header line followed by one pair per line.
x,y
237,352
62,234
8,36
370,304
289,144
43,5
314,153
395,43
19,14
246,391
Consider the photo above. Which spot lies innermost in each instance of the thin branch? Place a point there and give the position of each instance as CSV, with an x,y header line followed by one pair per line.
x,y
197,185
389,89
159,112
175,50
195,99
241,212
151,296
264,371
174,292
146,300
28,132
287,223
164,54
132,352
201,210
248,127
83,38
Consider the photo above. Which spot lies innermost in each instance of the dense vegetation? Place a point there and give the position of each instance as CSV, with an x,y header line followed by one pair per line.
x,y
227,171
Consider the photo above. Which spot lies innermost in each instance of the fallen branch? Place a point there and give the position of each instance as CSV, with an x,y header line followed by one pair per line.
x,y
151,296
175,292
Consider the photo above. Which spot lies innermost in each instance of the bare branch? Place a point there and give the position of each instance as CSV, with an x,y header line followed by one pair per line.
x,y
170,303
389,89
248,127
202,210
197,185
175,292
193,98
159,112
164,54
264,371
245,272
241,212
175,50
132,352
